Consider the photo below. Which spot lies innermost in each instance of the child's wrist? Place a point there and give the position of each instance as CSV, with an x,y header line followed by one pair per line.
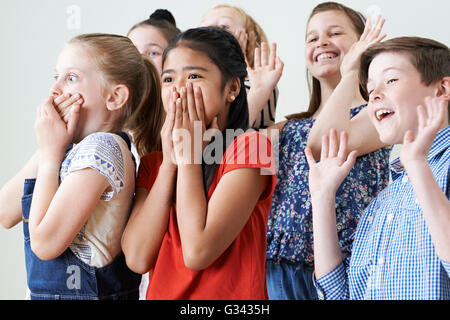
x,y
321,196
416,165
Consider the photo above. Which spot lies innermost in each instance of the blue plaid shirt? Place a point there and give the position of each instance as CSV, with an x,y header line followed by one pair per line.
x,y
392,255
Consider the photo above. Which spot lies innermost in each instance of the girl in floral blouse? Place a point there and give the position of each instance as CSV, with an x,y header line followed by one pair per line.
x,y
337,101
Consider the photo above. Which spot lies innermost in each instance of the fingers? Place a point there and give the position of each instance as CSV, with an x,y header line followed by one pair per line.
x,y
421,117
333,147
73,119
349,163
408,137
199,104
191,103
273,56
257,58
325,147
342,153
309,157
264,54
178,113
374,34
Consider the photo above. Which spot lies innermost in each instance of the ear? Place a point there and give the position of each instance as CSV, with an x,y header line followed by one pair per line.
x,y
443,89
117,97
232,90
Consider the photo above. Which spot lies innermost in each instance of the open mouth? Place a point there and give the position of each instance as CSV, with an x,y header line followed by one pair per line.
x,y
382,114
324,56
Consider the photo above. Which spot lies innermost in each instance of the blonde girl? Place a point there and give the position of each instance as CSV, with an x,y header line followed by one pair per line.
x,y
75,194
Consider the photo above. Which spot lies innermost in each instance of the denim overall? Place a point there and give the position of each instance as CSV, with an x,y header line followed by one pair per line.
x,y
67,277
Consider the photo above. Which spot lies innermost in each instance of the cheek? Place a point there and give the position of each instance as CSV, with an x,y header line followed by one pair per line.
x,y
158,63
165,96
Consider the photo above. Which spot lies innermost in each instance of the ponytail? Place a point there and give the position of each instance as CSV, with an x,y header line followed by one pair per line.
x,y
147,119
120,62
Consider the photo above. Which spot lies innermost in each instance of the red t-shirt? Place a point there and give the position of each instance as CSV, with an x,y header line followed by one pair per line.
x,y
239,273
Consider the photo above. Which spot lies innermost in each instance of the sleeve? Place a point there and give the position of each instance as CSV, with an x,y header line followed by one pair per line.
x,y
148,170
252,150
334,285
100,151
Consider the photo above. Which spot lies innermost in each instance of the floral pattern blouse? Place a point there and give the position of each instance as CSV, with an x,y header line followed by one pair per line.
x,y
289,230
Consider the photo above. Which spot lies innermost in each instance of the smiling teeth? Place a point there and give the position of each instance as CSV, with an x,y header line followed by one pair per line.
x,y
325,56
381,113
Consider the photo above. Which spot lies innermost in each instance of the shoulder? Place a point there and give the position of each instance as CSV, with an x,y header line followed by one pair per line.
x,y
99,151
148,169
249,150
151,159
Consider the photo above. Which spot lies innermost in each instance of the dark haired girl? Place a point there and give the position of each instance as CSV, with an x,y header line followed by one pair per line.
x,y
201,244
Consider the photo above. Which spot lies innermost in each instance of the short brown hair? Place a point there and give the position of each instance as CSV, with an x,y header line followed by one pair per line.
x,y
430,58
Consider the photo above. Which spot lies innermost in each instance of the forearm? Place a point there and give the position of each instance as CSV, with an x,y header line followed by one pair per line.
x,y
257,99
47,183
335,112
434,205
191,209
11,194
327,253
148,222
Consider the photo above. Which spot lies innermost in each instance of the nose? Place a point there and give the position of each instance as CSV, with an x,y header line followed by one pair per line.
x,y
55,89
179,83
322,41
376,94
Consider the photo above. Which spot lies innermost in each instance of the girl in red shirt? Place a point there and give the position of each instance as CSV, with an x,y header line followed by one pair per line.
x,y
200,214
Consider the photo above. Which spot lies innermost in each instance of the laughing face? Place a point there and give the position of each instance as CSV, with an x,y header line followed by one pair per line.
x,y
329,36
395,90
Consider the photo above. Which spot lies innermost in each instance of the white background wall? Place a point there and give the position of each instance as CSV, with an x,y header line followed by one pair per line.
x,y
33,32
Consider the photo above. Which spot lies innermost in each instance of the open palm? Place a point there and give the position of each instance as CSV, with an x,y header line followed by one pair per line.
x,y
334,165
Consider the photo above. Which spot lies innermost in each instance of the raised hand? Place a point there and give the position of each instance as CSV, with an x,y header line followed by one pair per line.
x,y
53,134
267,68
190,126
63,104
327,175
371,35
241,35
166,132
431,119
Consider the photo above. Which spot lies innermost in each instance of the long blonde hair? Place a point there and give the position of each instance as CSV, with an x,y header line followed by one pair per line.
x,y
255,34
120,62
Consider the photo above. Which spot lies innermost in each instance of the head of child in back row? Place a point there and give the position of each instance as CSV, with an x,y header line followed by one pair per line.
x,y
399,74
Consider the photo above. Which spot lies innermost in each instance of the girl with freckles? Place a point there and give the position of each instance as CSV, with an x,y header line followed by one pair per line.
x,y
199,227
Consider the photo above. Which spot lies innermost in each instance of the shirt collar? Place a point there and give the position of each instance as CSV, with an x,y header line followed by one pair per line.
x,y
441,142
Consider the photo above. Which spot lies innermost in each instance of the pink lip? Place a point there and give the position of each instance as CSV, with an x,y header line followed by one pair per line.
x,y
325,51
385,117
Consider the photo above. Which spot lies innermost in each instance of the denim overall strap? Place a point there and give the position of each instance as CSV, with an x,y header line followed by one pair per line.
x,y
67,277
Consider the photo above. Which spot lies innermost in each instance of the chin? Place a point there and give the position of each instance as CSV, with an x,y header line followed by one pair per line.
x,y
390,138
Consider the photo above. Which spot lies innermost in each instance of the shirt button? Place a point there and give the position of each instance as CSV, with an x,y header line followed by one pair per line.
x,y
405,179
370,219
389,217
381,260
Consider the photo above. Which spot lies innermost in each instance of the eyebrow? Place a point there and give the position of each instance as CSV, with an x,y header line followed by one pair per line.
x,y
329,27
186,68
384,71
152,44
